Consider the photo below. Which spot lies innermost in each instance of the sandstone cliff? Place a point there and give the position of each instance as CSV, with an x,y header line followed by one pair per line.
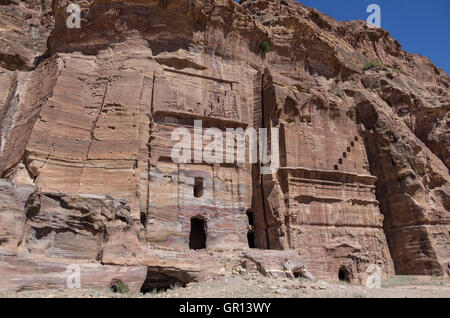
x,y
86,117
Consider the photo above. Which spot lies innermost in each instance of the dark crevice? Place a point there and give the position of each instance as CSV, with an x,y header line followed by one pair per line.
x,y
40,58
251,239
251,230
261,177
144,214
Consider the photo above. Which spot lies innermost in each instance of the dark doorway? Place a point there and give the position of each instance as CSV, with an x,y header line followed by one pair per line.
x,y
250,218
198,187
251,230
197,238
251,239
344,274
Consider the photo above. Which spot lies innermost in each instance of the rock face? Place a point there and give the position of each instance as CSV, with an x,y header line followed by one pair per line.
x,y
24,28
88,115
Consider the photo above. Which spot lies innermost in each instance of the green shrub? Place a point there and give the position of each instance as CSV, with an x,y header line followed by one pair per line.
x,y
372,64
117,286
265,46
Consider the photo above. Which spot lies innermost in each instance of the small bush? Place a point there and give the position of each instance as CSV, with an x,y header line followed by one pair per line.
x,y
176,284
117,286
265,46
372,64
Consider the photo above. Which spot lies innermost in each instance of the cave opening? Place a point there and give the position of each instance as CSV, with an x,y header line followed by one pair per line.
x,y
143,219
197,237
344,274
159,280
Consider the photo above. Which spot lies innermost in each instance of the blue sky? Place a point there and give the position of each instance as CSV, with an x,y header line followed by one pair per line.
x,y
421,26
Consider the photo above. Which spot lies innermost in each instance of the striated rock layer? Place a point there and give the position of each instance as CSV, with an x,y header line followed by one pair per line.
x,y
87,117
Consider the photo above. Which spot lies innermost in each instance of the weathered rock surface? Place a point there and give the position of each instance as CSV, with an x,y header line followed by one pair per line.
x,y
13,200
276,263
22,271
86,118
24,28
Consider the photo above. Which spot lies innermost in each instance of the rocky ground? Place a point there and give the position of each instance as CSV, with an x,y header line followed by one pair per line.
x,y
254,285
